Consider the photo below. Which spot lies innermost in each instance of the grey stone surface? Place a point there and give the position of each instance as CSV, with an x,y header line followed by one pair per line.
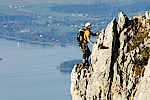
x,y
114,73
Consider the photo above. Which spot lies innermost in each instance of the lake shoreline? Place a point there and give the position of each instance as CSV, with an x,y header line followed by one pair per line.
x,y
32,68
37,42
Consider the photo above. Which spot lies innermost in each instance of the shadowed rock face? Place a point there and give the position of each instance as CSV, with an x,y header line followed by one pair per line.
x,y
121,70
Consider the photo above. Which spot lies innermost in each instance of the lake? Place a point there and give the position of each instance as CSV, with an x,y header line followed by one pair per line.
x,y
28,71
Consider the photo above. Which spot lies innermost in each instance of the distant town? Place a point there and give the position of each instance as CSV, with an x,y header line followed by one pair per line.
x,y
60,25
25,28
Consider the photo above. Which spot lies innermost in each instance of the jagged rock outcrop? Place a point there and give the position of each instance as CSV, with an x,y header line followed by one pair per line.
x,y
120,72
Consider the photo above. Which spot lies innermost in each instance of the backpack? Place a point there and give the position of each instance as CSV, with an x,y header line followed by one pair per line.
x,y
80,35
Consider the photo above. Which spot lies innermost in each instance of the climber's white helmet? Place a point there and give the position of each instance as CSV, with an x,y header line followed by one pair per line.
x,y
87,24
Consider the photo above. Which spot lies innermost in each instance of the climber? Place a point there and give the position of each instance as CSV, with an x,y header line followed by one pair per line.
x,y
84,47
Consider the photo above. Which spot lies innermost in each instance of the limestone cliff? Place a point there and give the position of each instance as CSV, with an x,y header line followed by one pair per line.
x,y
122,71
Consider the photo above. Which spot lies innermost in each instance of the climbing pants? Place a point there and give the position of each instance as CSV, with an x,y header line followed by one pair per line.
x,y
86,51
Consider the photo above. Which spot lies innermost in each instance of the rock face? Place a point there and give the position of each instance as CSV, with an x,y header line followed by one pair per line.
x,y
122,71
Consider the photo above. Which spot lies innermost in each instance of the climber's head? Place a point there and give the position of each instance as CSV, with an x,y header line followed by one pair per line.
x,y
88,25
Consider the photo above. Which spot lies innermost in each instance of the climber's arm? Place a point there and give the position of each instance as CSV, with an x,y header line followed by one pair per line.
x,y
88,39
95,34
